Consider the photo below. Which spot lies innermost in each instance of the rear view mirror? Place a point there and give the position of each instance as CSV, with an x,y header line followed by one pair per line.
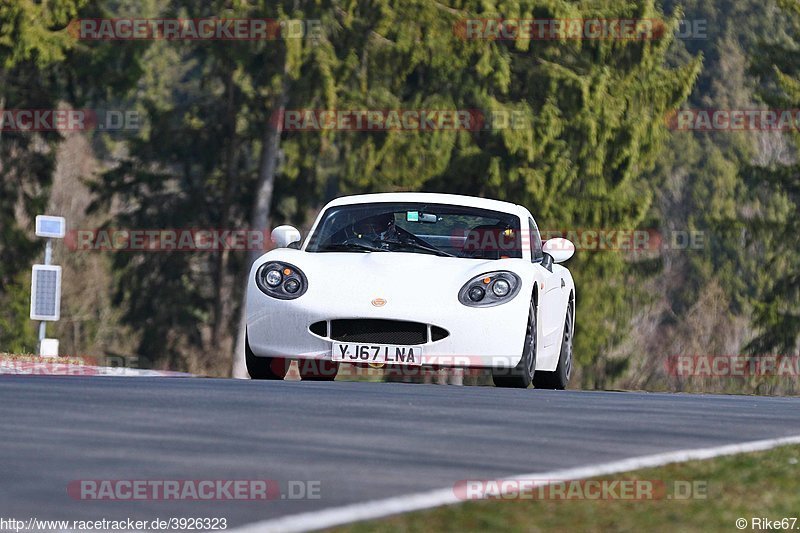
x,y
559,249
416,216
283,236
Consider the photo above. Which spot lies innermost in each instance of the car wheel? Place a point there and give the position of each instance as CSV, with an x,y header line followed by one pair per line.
x,y
264,367
521,375
317,369
559,378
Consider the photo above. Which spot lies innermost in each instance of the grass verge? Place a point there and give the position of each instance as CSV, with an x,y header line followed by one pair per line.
x,y
755,485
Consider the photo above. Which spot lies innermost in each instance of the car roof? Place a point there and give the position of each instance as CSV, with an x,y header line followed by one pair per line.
x,y
430,197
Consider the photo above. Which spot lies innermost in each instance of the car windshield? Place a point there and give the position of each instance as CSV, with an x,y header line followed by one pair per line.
x,y
438,229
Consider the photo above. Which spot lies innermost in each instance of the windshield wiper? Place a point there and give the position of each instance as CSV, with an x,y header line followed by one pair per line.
x,y
350,246
419,246
362,247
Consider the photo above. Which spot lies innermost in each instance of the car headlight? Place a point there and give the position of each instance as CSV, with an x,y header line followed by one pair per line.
x,y
476,294
501,288
492,288
281,280
273,277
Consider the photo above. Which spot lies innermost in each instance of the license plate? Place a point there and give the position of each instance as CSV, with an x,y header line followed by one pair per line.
x,y
351,352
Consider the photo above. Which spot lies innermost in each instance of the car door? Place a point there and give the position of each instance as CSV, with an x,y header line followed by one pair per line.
x,y
549,292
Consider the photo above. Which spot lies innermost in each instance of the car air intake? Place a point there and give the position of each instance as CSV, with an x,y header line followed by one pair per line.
x,y
438,333
319,328
379,331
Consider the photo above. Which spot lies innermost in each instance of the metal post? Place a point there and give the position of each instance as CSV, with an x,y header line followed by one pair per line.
x,y
47,307
48,254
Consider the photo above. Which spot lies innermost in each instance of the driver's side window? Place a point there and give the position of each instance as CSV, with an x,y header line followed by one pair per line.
x,y
536,241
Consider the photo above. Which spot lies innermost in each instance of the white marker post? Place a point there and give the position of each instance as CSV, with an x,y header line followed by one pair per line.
x,y
46,283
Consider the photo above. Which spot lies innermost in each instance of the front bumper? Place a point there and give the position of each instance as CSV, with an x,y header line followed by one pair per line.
x,y
478,337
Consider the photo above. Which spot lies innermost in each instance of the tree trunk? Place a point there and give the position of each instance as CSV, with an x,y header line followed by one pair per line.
x,y
222,256
259,218
2,108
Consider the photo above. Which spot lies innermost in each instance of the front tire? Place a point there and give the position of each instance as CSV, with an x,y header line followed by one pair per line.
x,y
273,368
559,378
522,375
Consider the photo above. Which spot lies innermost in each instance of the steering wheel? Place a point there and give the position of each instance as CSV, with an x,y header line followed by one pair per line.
x,y
359,241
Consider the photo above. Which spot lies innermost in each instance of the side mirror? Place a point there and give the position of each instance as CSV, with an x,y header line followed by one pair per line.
x,y
283,236
559,249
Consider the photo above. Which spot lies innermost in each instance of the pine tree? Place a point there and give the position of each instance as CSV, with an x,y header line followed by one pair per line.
x,y
777,306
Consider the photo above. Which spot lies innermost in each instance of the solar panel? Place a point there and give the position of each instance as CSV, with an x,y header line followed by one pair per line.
x,y
46,292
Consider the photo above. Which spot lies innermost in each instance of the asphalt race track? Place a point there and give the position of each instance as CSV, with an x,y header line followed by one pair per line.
x,y
360,441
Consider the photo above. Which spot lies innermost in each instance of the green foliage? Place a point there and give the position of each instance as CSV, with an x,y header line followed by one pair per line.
x,y
34,31
592,125
31,39
777,304
17,333
700,184
592,151
595,110
196,165
42,66
775,182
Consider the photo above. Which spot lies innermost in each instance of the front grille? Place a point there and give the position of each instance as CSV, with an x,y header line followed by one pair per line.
x,y
379,331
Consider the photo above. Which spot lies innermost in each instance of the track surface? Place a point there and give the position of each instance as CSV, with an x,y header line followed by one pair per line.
x,y
361,441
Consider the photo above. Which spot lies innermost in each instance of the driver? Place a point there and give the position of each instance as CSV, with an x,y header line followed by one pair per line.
x,y
377,228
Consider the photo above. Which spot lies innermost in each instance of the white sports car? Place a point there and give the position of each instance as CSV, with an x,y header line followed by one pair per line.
x,y
414,279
